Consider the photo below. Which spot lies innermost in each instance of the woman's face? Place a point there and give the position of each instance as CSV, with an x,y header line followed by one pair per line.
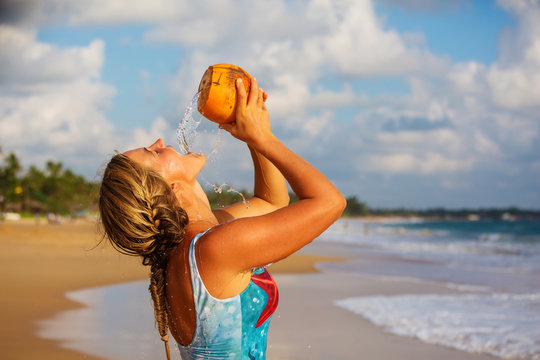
x,y
168,162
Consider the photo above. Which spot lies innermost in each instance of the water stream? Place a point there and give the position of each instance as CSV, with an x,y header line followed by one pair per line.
x,y
186,133
187,128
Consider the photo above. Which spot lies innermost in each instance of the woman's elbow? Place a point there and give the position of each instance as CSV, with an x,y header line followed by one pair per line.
x,y
341,204
278,202
336,205
285,200
281,202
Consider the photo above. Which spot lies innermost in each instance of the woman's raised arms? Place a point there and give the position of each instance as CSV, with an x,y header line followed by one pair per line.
x,y
269,192
246,243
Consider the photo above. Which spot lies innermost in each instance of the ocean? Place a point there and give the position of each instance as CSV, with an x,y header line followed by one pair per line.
x,y
493,265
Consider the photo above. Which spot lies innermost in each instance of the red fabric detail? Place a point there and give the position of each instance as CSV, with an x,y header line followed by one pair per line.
x,y
266,282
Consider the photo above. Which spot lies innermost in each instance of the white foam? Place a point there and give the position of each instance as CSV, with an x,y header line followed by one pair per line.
x,y
454,251
505,325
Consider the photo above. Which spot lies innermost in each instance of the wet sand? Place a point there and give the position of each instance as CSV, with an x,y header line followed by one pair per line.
x,y
308,326
40,263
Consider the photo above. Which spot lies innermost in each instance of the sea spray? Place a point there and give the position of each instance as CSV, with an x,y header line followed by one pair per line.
x,y
219,189
187,128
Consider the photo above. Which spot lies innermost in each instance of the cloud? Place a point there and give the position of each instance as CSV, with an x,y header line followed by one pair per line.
x,y
514,80
413,124
358,45
29,66
103,12
53,104
425,5
427,163
458,120
51,100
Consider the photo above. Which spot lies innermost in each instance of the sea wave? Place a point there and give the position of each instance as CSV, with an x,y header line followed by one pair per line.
x,y
452,248
501,324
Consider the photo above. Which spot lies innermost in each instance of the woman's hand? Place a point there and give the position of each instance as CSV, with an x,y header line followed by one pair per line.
x,y
252,124
270,190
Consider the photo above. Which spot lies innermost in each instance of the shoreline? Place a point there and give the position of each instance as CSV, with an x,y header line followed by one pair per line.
x,y
40,263
306,325
321,330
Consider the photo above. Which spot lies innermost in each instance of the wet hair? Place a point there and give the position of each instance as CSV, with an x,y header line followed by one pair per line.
x,y
141,216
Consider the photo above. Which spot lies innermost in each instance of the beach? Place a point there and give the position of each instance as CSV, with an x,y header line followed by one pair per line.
x,y
41,264
38,264
309,326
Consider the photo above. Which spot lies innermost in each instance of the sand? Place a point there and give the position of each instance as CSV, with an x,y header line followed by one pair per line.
x,y
307,326
40,263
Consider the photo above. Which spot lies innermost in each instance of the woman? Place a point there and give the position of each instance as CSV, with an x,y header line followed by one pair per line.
x,y
208,281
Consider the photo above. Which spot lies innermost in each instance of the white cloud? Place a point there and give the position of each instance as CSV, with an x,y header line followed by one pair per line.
x,y
358,45
427,163
51,101
202,32
515,79
515,87
466,116
425,5
318,128
145,137
105,12
28,65
53,104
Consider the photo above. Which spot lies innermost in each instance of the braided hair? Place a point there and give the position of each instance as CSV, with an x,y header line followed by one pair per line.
x,y
141,216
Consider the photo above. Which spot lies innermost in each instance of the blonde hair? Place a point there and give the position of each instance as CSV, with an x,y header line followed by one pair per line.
x,y
142,217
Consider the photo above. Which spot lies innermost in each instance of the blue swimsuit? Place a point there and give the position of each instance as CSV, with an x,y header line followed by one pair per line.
x,y
232,328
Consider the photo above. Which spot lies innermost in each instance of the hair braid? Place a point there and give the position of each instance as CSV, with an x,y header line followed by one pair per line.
x,y
142,217
157,291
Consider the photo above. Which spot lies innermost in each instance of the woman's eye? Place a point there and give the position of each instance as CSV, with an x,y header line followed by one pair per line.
x,y
151,151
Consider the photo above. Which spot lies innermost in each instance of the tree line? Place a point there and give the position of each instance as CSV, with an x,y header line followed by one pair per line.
x,y
355,207
51,189
61,191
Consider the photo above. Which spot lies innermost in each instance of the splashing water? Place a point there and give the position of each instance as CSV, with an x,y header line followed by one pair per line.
x,y
219,190
187,129
214,152
186,134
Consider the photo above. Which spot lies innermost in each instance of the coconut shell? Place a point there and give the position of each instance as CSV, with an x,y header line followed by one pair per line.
x,y
217,101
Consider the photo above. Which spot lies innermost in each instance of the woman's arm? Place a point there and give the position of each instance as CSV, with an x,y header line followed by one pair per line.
x,y
246,243
269,192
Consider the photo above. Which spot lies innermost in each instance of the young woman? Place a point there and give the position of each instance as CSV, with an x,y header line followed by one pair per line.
x,y
208,280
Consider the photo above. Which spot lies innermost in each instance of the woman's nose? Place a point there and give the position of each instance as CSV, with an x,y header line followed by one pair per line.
x,y
158,144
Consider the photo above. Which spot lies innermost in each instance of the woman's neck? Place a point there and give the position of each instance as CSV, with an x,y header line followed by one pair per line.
x,y
197,207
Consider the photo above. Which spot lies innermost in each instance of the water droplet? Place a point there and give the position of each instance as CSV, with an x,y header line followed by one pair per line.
x,y
186,134
219,189
187,129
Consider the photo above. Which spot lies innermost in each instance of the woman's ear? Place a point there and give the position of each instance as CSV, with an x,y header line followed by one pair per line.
x,y
177,188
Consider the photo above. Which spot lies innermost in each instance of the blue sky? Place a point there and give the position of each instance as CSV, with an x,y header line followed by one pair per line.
x,y
415,103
